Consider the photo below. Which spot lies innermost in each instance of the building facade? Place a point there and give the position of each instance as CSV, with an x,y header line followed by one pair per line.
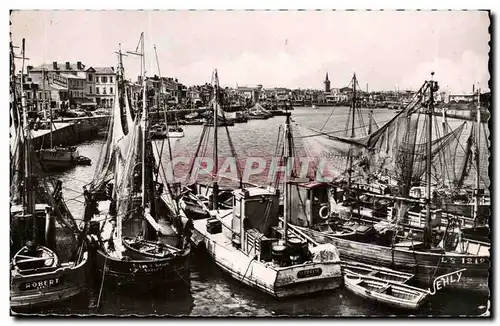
x,y
104,82
65,82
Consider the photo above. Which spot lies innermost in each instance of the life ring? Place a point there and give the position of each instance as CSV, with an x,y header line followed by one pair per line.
x,y
324,213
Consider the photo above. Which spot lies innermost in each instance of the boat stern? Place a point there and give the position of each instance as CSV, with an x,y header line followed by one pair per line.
x,y
308,278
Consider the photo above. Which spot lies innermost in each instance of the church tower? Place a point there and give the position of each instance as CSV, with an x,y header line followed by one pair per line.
x,y
327,84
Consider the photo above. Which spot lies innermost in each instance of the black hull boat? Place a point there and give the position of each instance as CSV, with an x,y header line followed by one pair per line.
x,y
42,281
146,274
137,231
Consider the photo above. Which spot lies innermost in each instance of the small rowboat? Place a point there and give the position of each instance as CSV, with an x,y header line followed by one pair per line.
x,y
392,294
386,274
41,258
149,249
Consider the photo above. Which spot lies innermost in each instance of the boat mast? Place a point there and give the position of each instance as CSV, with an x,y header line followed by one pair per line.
x,y
216,158
144,123
287,153
352,128
29,196
478,138
427,229
44,106
144,118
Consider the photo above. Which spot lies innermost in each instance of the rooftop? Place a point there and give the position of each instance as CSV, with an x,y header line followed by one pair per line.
x,y
61,66
104,70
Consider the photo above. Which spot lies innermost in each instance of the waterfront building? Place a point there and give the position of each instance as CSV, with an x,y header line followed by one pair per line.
x,y
105,86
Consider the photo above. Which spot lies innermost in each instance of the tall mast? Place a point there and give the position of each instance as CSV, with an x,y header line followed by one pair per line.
x,y
478,139
144,122
427,229
144,118
216,157
352,127
44,104
287,152
28,182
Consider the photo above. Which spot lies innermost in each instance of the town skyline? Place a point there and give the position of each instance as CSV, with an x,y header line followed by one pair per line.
x,y
270,48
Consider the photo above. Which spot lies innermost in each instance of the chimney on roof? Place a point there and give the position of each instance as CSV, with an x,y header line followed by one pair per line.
x,y
28,68
54,65
79,65
68,67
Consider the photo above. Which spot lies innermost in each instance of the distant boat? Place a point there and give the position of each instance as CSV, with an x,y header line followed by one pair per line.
x,y
314,106
58,157
159,131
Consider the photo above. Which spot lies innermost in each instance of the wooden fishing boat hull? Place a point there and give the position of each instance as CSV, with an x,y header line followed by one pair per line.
x,y
63,283
279,282
402,297
176,134
52,165
143,273
257,117
58,158
425,265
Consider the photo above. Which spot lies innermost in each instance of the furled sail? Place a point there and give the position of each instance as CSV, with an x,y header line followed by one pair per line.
x,y
117,142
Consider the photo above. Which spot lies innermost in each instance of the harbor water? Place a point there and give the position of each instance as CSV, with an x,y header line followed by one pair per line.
x,y
211,292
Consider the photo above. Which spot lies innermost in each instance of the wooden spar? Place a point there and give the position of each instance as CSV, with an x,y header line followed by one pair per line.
x,y
427,229
144,123
215,153
28,189
478,139
352,128
296,230
286,204
417,201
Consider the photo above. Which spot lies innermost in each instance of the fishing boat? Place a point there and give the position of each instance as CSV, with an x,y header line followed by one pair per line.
x,y
396,295
159,131
242,241
138,235
37,274
56,157
175,132
393,146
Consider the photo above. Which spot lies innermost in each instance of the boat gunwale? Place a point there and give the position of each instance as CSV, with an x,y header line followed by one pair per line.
x,y
419,298
433,254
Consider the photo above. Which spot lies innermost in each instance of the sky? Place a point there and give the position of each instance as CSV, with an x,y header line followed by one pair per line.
x,y
387,50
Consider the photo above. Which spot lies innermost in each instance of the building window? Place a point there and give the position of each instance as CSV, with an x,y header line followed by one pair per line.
x,y
90,77
90,89
104,90
111,90
97,90
104,79
111,80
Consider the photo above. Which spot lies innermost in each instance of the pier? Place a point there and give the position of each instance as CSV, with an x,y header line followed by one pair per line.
x,y
67,133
